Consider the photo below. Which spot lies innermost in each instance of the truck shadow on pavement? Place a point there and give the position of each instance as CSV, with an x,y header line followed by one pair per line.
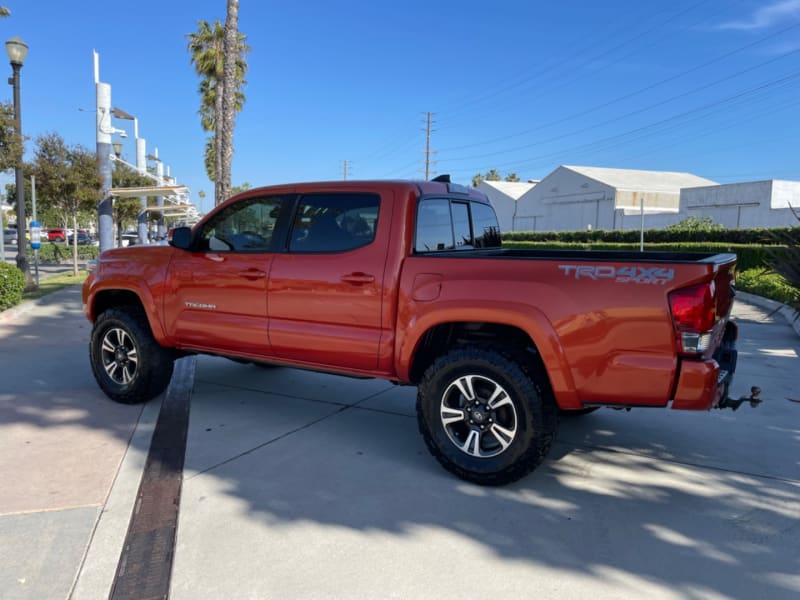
x,y
648,502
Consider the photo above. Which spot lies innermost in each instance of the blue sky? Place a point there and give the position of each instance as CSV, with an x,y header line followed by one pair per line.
x,y
710,87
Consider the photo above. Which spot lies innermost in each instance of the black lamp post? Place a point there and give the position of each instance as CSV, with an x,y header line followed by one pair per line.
x,y
17,50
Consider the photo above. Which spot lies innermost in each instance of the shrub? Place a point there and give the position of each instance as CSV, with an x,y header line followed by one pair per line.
x,y
61,253
767,284
785,261
12,284
748,256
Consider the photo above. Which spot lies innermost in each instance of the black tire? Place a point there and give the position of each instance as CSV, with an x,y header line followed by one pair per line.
x,y
127,362
519,417
579,412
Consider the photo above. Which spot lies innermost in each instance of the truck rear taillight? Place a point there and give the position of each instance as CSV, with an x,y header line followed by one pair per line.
x,y
694,315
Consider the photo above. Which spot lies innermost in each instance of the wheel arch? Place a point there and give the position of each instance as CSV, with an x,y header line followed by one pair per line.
x,y
534,340
104,299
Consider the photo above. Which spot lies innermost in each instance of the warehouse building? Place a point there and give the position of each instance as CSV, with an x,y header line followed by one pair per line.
x,y
504,196
574,198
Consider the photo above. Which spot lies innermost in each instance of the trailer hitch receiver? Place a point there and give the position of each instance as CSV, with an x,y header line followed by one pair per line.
x,y
734,404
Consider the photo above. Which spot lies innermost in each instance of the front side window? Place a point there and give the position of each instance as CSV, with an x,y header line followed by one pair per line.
x,y
334,222
246,226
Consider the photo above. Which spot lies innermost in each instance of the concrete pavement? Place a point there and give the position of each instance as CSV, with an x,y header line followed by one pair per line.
x,y
303,485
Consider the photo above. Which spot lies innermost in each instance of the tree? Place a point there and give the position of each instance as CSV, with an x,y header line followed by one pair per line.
x,y
67,180
126,210
492,175
4,12
206,47
10,142
231,54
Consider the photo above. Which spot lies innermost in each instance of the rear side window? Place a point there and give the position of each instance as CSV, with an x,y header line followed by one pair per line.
x,y
334,222
443,224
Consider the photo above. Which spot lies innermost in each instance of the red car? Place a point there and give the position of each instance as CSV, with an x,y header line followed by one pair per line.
x,y
56,234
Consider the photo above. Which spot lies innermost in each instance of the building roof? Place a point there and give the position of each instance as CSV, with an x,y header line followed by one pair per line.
x,y
512,189
642,181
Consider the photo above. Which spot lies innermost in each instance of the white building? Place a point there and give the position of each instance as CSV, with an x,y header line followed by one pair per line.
x,y
504,196
574,198
744,205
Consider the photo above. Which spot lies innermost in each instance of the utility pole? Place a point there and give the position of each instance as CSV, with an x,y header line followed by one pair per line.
x,y
428,152
346,168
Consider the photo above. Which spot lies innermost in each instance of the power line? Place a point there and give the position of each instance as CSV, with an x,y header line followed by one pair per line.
x,y
631,94
631,113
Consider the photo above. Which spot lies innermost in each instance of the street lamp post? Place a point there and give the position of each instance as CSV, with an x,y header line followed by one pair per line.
x,y
17,50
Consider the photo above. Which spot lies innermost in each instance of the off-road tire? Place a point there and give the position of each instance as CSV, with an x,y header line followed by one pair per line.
x,y
481,457
127,362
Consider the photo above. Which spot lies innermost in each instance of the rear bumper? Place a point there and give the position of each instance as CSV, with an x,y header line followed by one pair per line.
x,y
703,384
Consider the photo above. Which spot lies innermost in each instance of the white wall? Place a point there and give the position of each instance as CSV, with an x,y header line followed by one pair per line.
x,y
744,205
566,200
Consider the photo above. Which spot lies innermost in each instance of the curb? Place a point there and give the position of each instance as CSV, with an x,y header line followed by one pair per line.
x,y
791,316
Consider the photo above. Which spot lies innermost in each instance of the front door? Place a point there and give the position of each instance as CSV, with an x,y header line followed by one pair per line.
x,y
217,296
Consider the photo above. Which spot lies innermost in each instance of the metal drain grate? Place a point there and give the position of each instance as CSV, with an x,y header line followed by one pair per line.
x,y
145,565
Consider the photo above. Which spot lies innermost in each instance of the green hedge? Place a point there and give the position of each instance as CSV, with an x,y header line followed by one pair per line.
x,y
768,285
12,284
658,236
749,257
60,253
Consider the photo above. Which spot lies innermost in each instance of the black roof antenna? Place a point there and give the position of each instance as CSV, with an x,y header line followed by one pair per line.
x,y
442,178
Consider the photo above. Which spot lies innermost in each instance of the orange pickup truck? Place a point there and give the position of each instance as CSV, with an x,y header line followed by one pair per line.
x,y
408,281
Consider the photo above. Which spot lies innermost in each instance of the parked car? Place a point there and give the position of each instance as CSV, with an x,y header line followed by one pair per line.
x,y
56,234
9,236
83,238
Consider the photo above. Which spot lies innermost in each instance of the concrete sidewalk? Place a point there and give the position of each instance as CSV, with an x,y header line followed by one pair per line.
x,y
302,485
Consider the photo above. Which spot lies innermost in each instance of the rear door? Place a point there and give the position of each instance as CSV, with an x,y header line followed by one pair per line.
x,y
217,298
325,292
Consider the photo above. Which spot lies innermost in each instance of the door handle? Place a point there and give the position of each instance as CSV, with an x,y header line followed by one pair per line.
x,y
252,274
358,278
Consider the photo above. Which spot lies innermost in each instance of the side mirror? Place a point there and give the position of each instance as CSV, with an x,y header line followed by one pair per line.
x,y
181,237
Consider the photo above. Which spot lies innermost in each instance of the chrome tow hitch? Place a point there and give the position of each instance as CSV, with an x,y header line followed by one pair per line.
x,y
733,404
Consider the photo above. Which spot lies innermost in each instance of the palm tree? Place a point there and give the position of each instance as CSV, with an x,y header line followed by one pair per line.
x,y
206,47
4,12
229,70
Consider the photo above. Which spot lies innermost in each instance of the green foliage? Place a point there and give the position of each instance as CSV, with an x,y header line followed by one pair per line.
x,y
748,256
784,261
769,285
53,252
67,180
492,175
10,142
12,284
694,224
658,236
206,49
